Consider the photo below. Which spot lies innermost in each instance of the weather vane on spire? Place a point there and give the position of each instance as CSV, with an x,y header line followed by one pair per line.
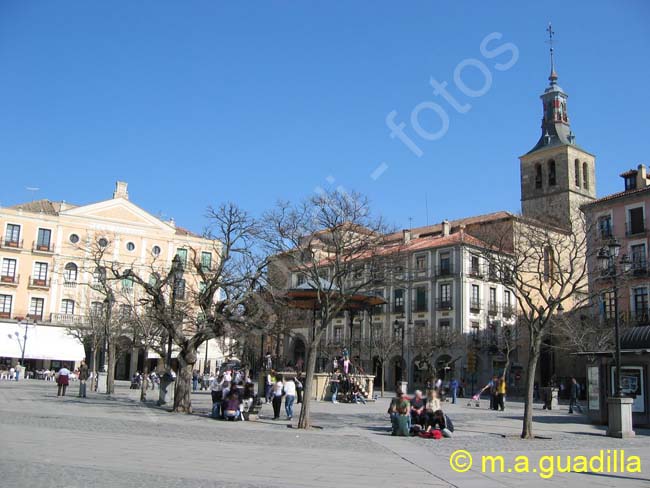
x,y
551,33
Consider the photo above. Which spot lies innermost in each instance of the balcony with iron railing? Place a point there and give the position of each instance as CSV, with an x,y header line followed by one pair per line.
x,y
639,267
419,306
493,308
10,280
639,317
9,243
508,310
475,305
606,233
635,228
476,271
66,318
444,304
42,247
36,282
445,270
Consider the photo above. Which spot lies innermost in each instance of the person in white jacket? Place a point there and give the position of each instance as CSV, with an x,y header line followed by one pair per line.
x,y
289,396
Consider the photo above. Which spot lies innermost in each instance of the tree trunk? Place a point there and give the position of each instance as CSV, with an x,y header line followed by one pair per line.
x,y
304,421
110,378
533,357
93,356
182,397
145,376
383,378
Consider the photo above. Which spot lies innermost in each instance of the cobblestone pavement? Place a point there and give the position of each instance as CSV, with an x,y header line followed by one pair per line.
x,y
48,441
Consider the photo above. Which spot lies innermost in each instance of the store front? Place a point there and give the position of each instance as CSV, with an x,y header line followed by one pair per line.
x,y
45,347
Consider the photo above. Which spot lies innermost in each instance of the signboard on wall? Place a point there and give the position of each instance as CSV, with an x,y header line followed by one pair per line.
x,y
632,385
593,388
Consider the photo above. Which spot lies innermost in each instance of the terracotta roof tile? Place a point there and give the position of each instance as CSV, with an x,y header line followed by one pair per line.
x,y
620,194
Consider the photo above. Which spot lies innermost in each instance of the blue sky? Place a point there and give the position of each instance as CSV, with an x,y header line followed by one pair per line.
x,y
198,102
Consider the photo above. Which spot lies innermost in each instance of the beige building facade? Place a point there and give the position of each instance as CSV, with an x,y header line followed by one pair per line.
x,y
48,265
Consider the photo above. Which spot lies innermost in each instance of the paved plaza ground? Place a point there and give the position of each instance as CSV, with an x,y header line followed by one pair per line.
x,y
105,442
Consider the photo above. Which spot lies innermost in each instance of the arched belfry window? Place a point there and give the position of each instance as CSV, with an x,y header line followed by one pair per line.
x,y
585,176
577,173
551,173
538,176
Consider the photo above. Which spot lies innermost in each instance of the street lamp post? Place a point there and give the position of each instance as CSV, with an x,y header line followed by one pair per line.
x,y
167,379
619,407
399,329
177,276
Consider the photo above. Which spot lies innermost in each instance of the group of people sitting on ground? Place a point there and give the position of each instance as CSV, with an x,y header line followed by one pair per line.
x,y
419,415
344,388
233,396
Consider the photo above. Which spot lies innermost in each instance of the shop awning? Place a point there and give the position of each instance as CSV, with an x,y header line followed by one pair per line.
x,y
43,342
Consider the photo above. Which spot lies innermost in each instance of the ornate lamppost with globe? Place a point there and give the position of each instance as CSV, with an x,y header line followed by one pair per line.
x,y
619,406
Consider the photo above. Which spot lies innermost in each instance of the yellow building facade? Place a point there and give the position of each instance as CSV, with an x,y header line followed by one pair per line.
x,y
48,264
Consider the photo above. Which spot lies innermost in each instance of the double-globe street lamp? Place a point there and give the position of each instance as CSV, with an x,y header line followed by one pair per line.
x,y
619,407
25,323
609,264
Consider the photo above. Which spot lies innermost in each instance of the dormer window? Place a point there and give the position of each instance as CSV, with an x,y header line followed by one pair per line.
x,y
630,182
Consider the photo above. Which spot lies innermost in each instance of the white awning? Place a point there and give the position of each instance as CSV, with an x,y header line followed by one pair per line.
x,y
43,342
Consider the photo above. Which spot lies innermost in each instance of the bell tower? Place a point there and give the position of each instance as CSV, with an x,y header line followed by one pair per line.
x,y
557,175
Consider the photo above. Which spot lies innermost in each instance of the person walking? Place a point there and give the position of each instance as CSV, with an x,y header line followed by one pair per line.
x,y
501,394
289,397
335,380
299,388
573,399
216,391
268,386
195,380
62,380
453,387
276,399
83,377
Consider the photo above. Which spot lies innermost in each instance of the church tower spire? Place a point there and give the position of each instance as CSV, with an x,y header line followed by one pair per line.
x,y
557,176
556,129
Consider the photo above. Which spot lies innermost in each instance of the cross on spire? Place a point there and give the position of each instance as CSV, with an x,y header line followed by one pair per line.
x,y
551,34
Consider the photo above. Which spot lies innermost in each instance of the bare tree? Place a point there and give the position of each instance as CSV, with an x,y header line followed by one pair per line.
x,y
384,346
148,335
90,332
225,300
333,242
546,268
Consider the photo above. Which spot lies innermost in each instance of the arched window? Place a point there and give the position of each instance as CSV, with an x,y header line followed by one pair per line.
x,y
96,309
551,173
67,307
538,176
70,273
585,176
577,173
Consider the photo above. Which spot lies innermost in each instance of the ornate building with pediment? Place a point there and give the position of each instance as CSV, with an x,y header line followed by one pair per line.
x,y
47,274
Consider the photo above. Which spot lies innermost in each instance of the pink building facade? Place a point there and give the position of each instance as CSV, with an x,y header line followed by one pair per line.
x,y
623,216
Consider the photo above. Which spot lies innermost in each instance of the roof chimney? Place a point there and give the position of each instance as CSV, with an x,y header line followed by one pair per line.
x,y
446,228
407,235
121,190
641,177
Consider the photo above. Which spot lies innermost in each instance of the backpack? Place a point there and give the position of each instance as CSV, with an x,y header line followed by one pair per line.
x,y
448,423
